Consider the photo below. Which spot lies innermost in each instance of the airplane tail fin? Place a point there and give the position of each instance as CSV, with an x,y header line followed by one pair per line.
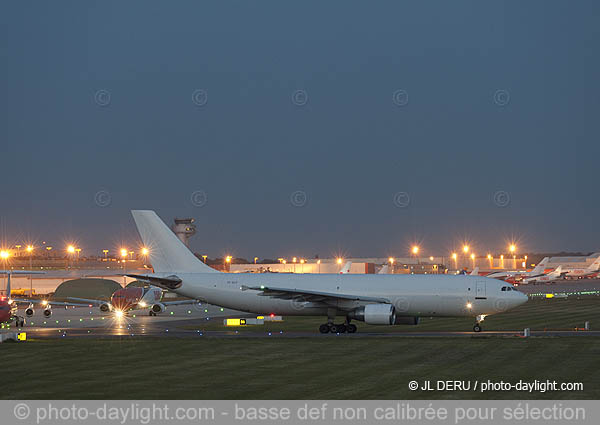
x,y
475,271
346,268
384,269
166,252
595,266
540,267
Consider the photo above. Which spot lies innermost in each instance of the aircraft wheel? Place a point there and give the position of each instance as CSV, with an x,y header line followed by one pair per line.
x,y
334,329
341,328
151,313
324,328
351,328
477,328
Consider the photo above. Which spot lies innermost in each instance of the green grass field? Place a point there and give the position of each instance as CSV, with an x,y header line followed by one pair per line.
x,y
311,368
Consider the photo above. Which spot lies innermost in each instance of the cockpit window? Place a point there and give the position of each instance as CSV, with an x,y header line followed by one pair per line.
x,y
504,288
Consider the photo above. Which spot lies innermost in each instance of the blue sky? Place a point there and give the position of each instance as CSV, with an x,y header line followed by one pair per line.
x,y
483,113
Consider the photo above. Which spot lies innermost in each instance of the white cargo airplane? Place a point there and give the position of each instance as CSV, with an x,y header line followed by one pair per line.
x,y
548,277
582,272
390,299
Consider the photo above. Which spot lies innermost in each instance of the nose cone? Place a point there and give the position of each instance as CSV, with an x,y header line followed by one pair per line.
x,y
522,298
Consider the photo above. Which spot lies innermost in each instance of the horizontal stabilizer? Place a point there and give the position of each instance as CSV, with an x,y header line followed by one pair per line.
x,y
169,282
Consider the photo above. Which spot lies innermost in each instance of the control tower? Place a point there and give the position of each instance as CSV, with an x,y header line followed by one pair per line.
x,y
184,228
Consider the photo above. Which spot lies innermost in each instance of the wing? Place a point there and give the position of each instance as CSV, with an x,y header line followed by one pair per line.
x,y
181,302
88,301
46,302
309,295
169,282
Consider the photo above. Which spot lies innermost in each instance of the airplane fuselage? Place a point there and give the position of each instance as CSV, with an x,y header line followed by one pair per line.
x,y
411,295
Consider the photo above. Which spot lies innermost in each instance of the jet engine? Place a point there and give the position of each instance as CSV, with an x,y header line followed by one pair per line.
x,y
29,311
47,312
158,308
375,314
105,307
407,320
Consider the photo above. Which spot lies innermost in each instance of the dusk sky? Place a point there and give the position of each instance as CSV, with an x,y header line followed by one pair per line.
x,y
337,127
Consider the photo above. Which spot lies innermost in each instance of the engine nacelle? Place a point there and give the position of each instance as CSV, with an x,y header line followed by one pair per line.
x,y
47,312
158,308
375,314
105,307
29,311
407,320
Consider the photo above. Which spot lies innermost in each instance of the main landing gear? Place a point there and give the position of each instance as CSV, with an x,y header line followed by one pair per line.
x,y
477,327
19,321
337,329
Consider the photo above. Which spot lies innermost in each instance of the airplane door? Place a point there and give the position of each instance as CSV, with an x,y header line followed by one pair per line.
x,y
480,290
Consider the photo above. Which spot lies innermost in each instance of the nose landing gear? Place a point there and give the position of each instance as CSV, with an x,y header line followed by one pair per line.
x,y
477,327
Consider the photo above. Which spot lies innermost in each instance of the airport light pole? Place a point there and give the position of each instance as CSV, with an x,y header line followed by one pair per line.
x,y
124,260
4,256
30,251
415,252
512,248
70,252
319,265
105,251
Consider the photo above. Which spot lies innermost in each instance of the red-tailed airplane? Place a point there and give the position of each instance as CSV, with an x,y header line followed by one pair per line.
x,y
8,313
134,298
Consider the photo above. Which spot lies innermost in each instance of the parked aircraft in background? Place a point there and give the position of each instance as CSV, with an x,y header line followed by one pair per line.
x,y
124,300
538,270
13,303
384,270
548,277
577,273
346,268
